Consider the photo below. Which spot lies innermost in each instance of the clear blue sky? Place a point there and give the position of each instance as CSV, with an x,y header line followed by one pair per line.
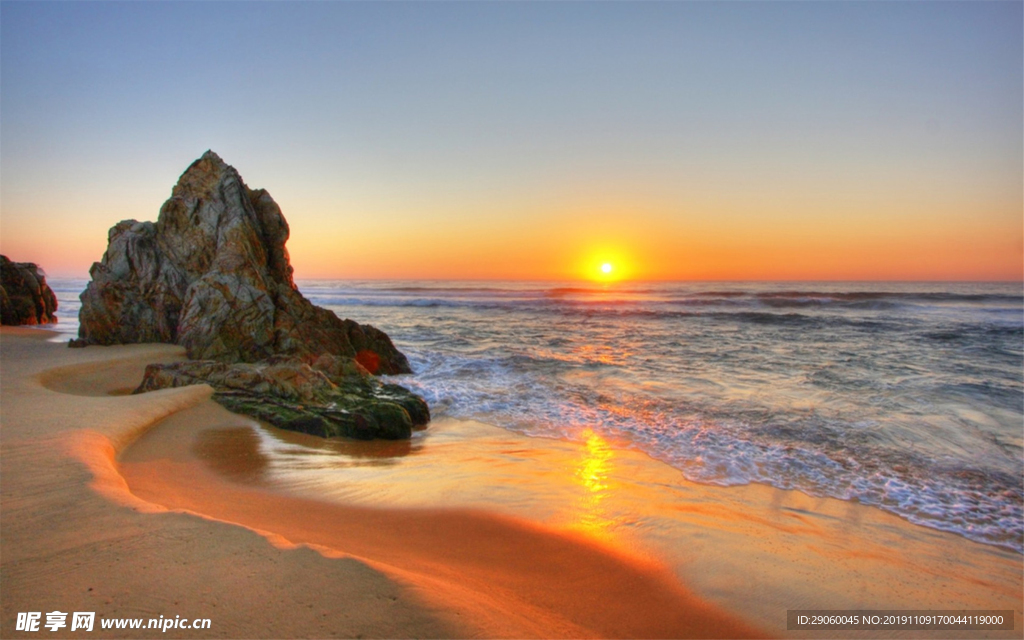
x,y
426,139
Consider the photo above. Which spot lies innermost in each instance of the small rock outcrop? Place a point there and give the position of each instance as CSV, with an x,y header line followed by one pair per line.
x,y
25,298
212,274
335,396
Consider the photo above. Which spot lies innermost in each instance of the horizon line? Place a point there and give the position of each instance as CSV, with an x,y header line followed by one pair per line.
x,y
637,280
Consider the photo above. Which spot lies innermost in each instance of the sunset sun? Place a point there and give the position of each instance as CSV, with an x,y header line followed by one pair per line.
x,y
606,263
606,270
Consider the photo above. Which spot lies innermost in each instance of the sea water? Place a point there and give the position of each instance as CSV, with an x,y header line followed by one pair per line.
x,y
908,397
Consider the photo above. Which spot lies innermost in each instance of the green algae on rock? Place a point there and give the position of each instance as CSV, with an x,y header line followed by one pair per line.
x,y
332,397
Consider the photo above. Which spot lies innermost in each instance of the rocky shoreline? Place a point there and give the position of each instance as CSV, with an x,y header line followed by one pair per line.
x,y
212,274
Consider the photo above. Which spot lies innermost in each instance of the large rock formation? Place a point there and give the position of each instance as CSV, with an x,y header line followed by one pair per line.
x,y
335,396
212,274
25,298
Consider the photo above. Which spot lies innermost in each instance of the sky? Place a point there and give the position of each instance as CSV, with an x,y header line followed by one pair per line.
x,y
529,140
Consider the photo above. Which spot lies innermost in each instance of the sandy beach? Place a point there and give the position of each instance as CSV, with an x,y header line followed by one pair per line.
x,y
141,506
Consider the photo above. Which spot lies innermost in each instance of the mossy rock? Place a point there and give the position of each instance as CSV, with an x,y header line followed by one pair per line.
x,y
344,401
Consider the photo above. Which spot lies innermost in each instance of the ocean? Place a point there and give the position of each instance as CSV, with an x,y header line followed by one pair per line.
x,y
905,396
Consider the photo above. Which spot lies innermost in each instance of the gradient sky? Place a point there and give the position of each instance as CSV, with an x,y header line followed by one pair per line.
x,y
533,140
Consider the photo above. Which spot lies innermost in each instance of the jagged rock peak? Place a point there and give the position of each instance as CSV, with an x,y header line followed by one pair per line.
x,y
203,175
213,275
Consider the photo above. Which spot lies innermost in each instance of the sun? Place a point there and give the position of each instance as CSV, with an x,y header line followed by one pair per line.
x,y
605,271
605,264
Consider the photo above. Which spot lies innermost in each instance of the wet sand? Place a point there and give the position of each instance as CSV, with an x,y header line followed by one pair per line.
x,y
756,551
753,549
178,538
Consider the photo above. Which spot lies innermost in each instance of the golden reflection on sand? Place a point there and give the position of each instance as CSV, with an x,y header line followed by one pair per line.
x,y
750,548
592,475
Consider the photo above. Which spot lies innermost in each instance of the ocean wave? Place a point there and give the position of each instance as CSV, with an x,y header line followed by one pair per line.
x,y
726,446
601,291
680,291
906,397
673,303
858,296
617,311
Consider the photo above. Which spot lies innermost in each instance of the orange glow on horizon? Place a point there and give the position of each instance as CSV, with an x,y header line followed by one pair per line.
x,y
931,257
661,239
625,239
